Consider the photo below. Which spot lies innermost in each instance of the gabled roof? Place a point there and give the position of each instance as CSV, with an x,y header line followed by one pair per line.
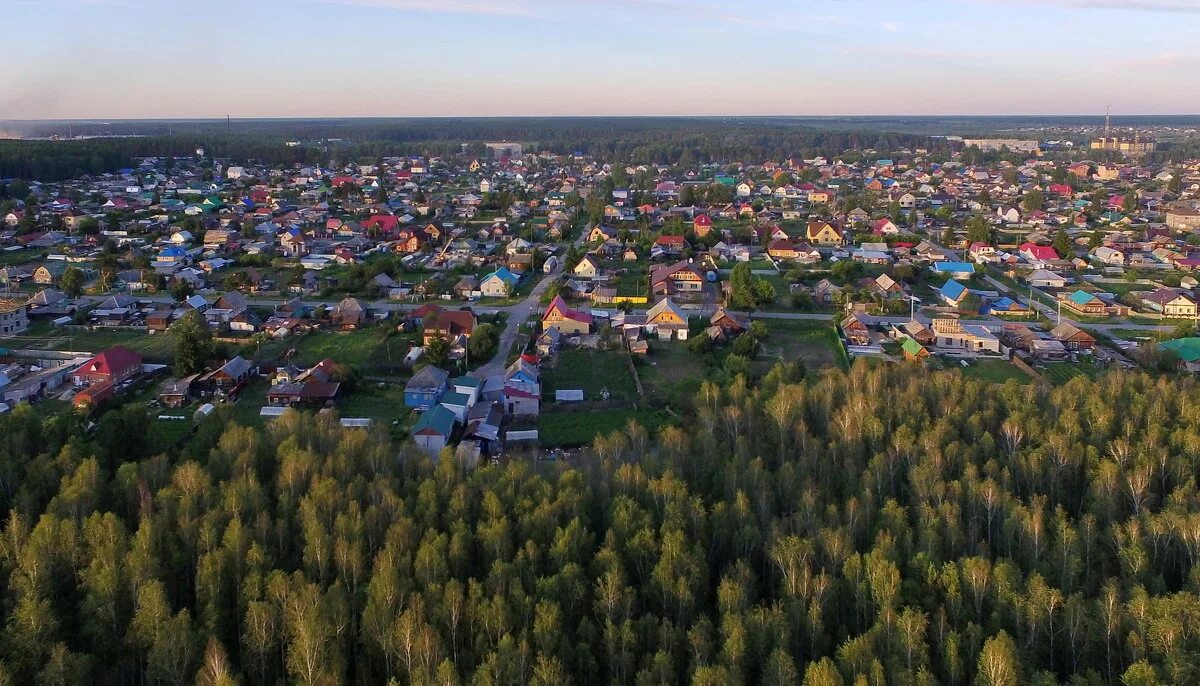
x,y
666,305
567,313
437,420
111,360
428,378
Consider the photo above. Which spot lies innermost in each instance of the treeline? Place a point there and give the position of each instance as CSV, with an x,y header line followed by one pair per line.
x,y
882,526
685,142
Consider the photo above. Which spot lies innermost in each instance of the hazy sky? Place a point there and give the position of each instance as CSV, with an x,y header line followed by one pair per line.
x,y
255,58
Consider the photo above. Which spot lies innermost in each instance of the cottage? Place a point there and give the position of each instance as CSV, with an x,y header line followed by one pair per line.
x,y
667,320
110,366
1072,337
1170,302
855,329
568,321
434,428
426,388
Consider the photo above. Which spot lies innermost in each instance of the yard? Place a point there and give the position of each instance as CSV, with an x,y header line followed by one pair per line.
x,y
590,371
995,371
1059,373
671,374
812,341
159,347
565,429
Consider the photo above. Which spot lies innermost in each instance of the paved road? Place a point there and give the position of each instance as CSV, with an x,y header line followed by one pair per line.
x,y
518,314
1054,316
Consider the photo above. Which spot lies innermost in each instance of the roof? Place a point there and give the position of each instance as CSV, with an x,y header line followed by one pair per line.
x,y
1188,349
111,360
574,315
429,377
955,267
437,420
911,346
953,290
665,305
1082,297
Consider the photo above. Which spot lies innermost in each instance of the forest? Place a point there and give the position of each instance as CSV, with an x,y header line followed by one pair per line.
x,y
882,526
685,141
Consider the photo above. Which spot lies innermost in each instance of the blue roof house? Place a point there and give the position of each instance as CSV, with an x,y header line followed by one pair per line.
x,y
955,270
426,388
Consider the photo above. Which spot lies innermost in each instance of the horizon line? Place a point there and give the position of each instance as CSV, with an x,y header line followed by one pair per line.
x,y
580,116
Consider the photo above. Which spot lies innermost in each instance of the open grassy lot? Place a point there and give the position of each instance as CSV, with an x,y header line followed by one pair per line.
x,y
368,400
996,371
812,341
671,374
564,429
1123,287
159,347
1058,373
592,371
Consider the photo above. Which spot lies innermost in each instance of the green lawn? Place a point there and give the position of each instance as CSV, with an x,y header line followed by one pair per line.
x,y
558,429
1058,373
159,347
813,341
591,371
381,404
996,371
671,374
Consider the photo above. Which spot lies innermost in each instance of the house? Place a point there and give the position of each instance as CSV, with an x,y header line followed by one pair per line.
x,y
955,270
667,320
1188,351
1041,278
229,378
522,388
549,341
568,321
1032,252
953,333
456,326
782,249
681,277
824,234
1082,302
426,388
349,314
177,392
669,245
954,293
1170,302
600,233
110,366
312,388
724,325
499,284
885,227
49,273
434,428
587,268
913,350
1072,337
14,316
855,329
825,292
1109,256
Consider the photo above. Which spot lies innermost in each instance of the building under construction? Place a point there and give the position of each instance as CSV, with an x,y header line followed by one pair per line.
x,y
1116,141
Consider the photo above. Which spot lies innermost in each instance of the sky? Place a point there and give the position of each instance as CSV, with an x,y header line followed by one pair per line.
x,y
124,59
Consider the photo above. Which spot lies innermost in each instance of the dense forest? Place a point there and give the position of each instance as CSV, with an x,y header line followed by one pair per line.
x,y
882,526
638,140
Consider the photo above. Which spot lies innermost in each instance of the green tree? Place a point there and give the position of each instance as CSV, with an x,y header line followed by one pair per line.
x,y
1063,245
71,282
193,343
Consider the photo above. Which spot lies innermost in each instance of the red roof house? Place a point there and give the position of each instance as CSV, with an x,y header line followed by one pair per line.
x,y
113,366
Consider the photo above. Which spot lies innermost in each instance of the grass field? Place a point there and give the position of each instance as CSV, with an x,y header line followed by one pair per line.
x,y
1058,373
996,371
813,341
671,375
591,371
563,429
368,400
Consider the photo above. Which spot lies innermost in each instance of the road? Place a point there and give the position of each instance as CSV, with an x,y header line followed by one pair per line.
x,y
1054,315
518,314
